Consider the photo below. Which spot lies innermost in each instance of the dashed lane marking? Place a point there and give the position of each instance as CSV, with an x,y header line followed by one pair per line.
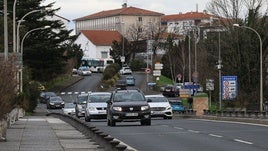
x,y
242,141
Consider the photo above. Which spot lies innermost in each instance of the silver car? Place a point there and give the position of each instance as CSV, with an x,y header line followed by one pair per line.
x,y
160,106
96,105
80,104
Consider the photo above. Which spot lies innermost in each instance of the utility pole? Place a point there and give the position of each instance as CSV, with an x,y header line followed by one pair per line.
x,y
5,31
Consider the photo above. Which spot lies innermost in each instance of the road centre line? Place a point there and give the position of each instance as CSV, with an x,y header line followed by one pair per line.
x,y
242,141
193,131
213,135
179,128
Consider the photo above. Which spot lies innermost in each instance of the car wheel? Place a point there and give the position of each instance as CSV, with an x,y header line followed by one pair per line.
x,y
112,123
148,122
87,119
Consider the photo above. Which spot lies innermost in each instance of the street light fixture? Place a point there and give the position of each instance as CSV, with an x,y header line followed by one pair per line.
x,y
18,27
22,41
261,78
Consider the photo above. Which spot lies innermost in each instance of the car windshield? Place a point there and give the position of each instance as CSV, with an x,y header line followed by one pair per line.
x,y
99,98
175,103
51,94
55,99
69,105
157,99
82,99
128,97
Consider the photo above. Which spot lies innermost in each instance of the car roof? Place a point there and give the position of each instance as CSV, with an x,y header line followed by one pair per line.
x,y
82,94
92,93
155,95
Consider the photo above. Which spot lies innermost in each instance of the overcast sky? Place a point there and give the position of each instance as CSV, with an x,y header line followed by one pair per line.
x,y
72,9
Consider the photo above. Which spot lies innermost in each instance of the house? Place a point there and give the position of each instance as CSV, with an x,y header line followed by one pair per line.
x,y
97,43
121,20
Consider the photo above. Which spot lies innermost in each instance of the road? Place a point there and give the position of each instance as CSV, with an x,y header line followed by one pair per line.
x,y
178,134
189,135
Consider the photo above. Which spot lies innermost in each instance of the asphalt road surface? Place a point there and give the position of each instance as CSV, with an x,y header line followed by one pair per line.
x,y
177,134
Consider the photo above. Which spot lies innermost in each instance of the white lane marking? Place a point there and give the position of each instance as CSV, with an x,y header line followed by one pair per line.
x,y
193,131
243,123
213,135
179,128
242,141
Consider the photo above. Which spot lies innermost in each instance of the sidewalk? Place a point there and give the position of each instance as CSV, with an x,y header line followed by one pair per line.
x,y
45,133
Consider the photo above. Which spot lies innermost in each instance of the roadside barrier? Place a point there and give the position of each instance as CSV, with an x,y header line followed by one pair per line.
x,y
104,140
240,114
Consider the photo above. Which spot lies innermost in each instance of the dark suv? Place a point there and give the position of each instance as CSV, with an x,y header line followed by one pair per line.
x,y
128,105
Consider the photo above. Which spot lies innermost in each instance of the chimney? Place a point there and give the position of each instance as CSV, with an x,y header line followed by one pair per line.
x,y
124,5
197,8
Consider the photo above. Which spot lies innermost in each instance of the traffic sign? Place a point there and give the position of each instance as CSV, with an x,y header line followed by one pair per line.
x,y
157,73
158,66
147,70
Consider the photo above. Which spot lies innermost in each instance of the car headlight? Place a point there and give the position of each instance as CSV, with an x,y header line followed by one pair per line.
x,y
62,102
168,107
51,103
117,108
144,107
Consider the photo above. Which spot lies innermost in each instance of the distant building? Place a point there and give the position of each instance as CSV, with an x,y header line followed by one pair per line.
x,y
181,23
119,20
97,43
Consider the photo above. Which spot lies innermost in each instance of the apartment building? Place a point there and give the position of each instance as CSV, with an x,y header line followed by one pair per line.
x,y
121,20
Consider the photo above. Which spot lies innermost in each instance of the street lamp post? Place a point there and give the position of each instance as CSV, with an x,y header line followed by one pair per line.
x,y
14,25
18,27
21,47
261,78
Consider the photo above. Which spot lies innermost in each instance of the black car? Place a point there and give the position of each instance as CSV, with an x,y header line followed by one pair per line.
x,y
55,102
128,105
44,96
171,90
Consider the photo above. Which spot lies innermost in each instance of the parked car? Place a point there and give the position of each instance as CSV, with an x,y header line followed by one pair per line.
x,y
171,90
44,96
130,80
69,109
55,102
80,105
176,105
160,106
96,105
128,105
125,70
84,71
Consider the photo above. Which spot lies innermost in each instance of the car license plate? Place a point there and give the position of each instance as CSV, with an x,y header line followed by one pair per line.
x,y
131,114
167,90
102,112
156,112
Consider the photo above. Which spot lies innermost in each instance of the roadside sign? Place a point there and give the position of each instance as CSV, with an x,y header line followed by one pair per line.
x,y
122,58
158,66
229,87
185,93
157,73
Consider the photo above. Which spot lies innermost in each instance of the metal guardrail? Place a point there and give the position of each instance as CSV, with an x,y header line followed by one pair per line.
x,y
104,140
240,114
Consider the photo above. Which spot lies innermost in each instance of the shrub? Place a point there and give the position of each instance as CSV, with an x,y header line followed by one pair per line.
x,y
7,86
137,65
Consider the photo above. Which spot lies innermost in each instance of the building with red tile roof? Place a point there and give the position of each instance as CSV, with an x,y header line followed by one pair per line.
x,y
119,20
181,23
97,43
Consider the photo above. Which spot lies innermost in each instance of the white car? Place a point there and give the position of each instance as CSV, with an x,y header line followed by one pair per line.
x,y
69,109
125,70
96,105
160,106
84,71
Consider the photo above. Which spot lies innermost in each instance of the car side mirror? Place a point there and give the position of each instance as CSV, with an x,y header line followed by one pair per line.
x,y
149,100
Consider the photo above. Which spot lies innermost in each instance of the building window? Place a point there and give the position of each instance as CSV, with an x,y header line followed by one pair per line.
x,y
140,19
104,54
